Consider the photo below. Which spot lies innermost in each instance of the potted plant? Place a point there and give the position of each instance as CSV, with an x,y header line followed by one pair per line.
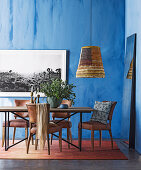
x,y
56,91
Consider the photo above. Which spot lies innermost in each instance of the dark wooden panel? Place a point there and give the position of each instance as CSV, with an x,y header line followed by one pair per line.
x,y
133,102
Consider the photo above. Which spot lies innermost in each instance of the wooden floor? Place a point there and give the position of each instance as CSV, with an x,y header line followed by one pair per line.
x,y
133,163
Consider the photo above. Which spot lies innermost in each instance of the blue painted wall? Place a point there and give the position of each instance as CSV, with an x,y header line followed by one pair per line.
x,y
133,25
65,24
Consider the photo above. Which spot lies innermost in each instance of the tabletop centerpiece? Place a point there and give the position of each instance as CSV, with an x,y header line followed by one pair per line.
x,y
56,90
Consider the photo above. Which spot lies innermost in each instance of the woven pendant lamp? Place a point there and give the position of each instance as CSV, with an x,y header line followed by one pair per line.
x,y
90,63
129,75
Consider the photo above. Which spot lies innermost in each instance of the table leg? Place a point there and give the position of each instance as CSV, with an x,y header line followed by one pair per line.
x,y
8,132
5,132
80,132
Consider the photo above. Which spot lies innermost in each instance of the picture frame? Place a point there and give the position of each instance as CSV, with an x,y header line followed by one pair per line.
x,y
22,69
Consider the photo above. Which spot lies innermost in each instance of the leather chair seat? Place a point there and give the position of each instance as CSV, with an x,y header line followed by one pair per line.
x,y
59,115
52,128
93,125
64,123
22,114
16,123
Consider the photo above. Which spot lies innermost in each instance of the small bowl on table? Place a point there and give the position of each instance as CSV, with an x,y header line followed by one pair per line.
x,y
63,106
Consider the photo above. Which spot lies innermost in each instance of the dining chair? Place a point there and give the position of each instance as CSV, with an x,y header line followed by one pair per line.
x,y
65,123
17,122
34,112
95,125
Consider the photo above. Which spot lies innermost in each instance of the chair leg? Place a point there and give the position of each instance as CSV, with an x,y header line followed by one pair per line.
x,y
30,135
51,134
92,139
68,137
26,135
48,143
51,139
3,135
78,136
32,140
36,142
70,131
60,140
14,134
110,132
30,126
100,137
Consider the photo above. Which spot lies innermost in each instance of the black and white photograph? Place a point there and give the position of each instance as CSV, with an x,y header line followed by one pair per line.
x,y
22,69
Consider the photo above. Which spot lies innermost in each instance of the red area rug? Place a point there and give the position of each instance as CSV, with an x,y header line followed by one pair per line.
x,y
105,152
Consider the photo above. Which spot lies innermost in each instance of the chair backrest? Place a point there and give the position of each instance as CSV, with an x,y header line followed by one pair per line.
x,y
112,110
21,103
39,114
31,107
68,102
62,114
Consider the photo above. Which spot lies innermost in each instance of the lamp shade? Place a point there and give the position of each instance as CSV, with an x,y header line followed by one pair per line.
x,y
90,63
129,75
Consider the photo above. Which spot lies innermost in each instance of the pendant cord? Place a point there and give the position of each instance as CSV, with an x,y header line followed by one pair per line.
x,y
91,23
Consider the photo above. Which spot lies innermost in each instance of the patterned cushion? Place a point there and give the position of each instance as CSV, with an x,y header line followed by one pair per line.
x,y
101,111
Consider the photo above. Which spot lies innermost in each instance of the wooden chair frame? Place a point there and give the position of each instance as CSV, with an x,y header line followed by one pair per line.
x,y
60,115
17,103
33,120
93,128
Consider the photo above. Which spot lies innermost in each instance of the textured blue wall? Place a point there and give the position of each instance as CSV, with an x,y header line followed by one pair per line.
x,y
65,24
133,25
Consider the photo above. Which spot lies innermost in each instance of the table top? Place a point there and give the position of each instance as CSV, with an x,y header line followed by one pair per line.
x,y
24,109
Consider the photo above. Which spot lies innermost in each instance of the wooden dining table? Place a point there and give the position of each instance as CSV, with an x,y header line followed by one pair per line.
x,y
15,109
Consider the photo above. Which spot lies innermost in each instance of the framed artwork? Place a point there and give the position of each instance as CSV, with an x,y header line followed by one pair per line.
x,y
22,69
